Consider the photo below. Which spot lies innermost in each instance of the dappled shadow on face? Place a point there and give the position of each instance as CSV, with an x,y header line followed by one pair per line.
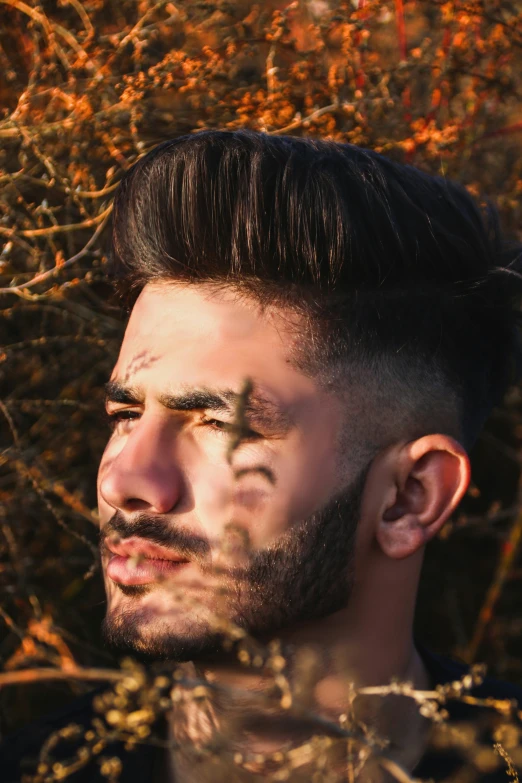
x,y
143,360
304,575
157,531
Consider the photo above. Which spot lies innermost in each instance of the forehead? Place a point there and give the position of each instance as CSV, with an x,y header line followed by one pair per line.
x,y
166,307
183,334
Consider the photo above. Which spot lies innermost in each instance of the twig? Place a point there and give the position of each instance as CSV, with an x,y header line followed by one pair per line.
x,y
41,232
84,16
239,427
139,24
401,32
509,551
39,675
55,185
302,120
44,22
511,771
506,131
12,133
60,339
39,278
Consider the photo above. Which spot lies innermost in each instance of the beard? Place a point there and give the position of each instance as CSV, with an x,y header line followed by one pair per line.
x,y
306,574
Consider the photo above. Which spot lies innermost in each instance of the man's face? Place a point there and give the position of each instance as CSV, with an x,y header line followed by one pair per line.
x,y
187,543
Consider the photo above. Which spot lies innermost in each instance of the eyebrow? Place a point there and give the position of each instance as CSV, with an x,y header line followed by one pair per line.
x,y
260,410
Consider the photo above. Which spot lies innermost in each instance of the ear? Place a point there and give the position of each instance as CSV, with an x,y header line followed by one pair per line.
x,y
430,475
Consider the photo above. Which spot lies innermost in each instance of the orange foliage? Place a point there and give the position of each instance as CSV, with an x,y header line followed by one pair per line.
x,y
87,89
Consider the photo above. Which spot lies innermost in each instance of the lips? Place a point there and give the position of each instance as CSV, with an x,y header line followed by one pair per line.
x,y
137,562
138,547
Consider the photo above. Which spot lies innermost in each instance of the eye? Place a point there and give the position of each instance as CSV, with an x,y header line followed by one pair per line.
x,y
225,428
113,419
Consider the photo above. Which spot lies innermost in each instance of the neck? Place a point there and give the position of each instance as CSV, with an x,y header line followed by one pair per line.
x,y
367,644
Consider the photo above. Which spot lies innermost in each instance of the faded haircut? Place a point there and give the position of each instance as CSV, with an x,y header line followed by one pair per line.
x,y
407,284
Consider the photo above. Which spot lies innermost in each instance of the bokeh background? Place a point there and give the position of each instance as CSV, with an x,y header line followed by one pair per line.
x,y
89,86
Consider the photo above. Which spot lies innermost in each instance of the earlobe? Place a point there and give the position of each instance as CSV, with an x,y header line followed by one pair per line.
x,y
431,477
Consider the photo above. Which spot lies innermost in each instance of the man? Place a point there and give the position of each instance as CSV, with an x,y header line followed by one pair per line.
x,y
316,339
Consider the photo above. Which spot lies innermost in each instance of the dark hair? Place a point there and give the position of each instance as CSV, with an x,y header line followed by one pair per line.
x,y
405,274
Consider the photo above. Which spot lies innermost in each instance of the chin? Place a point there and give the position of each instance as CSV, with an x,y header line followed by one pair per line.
x,y
146,623
158,642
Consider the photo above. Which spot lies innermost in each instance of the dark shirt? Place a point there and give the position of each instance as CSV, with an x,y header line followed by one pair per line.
x,y
19,751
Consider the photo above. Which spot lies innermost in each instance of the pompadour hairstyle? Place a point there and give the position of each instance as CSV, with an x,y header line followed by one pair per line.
x,y
406,275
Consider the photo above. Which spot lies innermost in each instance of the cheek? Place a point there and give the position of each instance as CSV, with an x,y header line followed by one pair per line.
x,y
212,487
304,471
249,501
308,475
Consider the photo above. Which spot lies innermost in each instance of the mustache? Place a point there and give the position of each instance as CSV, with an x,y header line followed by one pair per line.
x,y
159,532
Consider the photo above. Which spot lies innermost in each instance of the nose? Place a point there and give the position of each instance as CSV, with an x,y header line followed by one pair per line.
x,y
144,475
